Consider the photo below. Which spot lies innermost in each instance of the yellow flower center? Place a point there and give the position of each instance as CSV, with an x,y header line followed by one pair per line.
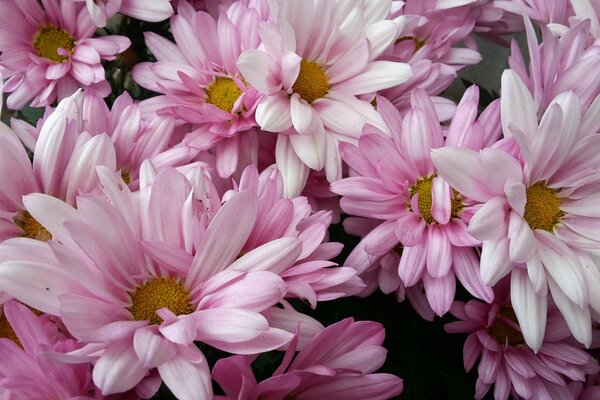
x,y
49,39
223,93
126,177
418,42
422,188
542,210
311,83
7,332
156,294
502,331
32,229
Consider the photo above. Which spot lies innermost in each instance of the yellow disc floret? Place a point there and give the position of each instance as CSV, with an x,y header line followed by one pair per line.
x,y
422,188
542,210
7,332
32,229
49,39
159,293
311,83
223,93
503,331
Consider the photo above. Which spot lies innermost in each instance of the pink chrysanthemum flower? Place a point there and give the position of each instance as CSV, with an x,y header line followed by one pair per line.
x,y
26,370
397,182
309,274
152,11
316,59
134,139
558,64
68,144
138,310
336,364
48,51
198,76
539,216
507,362
427,41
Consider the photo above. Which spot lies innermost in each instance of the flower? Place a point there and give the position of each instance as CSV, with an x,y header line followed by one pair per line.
x,y
506,361
549,74
395,181
199,79
137,310
27,370
48,51
538,218
337,363
315,61
307,272
427,42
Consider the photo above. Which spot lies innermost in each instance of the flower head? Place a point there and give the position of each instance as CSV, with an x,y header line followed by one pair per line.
x,y
51,51
538,217
311,75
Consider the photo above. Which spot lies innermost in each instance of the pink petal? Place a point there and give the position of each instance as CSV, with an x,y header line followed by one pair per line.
x,y
273,113
495,262
293,171
440,292
228,325
412,264
118,369
376,76
439,252
253,291
187,380
233,221
530,309
152,348
274,256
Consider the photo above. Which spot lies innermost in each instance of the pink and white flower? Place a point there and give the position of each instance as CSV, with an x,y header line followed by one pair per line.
x,y
507,362
539,218
395,181
48,51
315,62
428,41
26,369
309,274
136,309
199,78
337,363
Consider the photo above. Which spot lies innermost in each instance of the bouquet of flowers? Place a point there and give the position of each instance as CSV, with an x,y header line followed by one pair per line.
x,y
233,199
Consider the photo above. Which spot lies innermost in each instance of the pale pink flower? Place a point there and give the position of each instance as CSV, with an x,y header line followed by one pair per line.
x,y
558,64
337,363
308,272
134,138
494,22
395,181
539,216
48,51
507,362
63,165
135,304
152,11
315,61
26,369
428,41
199,79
